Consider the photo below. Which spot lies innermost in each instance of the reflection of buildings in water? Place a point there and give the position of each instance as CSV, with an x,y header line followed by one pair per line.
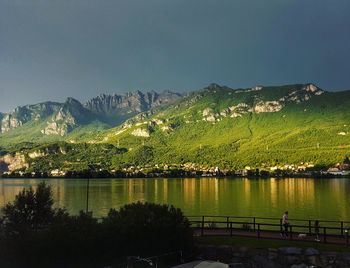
x,y
216,190
130,190
298,192
247,191
337,188
274,192
70,193
58,191
165,190
156,195
208,194
160,193
135,187
339,196
289,191
189,196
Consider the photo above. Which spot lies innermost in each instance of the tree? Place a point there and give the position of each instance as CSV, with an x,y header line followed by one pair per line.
x,y
148,228
30,211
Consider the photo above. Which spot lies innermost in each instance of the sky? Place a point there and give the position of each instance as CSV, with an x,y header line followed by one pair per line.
x,y
50,50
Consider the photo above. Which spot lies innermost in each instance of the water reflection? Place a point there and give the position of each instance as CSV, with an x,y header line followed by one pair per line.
x,y
311,198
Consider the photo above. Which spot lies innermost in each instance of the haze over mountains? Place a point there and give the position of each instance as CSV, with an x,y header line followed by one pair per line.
x,y
215,126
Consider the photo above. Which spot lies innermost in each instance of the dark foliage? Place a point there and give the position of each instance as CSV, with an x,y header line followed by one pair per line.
x,y
31,211
37,235
148,229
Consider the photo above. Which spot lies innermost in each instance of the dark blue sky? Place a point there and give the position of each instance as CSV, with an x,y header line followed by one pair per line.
x,y
53,49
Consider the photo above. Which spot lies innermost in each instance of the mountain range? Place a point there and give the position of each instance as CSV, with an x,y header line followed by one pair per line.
x,y
260,127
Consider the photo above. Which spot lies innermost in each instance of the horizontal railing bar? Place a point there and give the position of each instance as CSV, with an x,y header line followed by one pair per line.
x,y
263,218
267,224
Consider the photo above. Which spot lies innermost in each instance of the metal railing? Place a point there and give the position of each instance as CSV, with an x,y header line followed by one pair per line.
x,y
336,231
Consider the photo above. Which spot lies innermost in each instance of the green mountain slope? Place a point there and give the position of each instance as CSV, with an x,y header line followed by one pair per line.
x,y
312,127
259,127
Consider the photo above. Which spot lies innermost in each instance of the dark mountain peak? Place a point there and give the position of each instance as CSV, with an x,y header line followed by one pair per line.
x,y
72,101
130,102
213,86
73,107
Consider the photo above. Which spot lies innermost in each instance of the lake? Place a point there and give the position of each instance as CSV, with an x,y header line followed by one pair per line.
x,y
303,198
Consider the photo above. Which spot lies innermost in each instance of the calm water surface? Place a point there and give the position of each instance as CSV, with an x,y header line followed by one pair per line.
x,y
304,198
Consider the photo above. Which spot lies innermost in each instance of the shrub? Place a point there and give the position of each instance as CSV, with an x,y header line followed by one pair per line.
x,y
147,228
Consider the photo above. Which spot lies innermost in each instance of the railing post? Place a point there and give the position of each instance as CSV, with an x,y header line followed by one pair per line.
x,y
258,230
254,223
202,229
342,228
281,226
309,227
324,235
290,232
227,220
231,231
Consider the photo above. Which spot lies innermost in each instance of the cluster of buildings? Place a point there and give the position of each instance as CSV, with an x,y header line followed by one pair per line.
x,y
338,170
196,170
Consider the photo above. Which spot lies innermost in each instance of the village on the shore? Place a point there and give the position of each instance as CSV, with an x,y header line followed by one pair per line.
x,y
192,170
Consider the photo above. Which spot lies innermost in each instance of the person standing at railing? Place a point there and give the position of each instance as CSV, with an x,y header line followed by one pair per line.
x,y
317,230
285,224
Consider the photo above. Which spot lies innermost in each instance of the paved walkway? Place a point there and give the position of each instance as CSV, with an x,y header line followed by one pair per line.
x,y
332,239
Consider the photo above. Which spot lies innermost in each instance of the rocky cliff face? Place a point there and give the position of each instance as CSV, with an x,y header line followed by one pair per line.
x,y
14,162
24,114
130,102
258,102
303,94
71,114
62,118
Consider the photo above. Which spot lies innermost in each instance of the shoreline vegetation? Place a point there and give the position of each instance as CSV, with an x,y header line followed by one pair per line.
x,y
177,173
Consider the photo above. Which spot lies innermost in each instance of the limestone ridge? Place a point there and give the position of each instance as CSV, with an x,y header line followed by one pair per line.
x,y
70,115
258,101
131,102
62,118
24,114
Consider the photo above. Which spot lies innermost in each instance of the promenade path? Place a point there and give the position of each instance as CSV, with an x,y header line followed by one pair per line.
x,y
333,232
271,235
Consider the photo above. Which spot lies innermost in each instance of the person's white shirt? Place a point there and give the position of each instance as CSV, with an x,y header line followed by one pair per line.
x,y
285,218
